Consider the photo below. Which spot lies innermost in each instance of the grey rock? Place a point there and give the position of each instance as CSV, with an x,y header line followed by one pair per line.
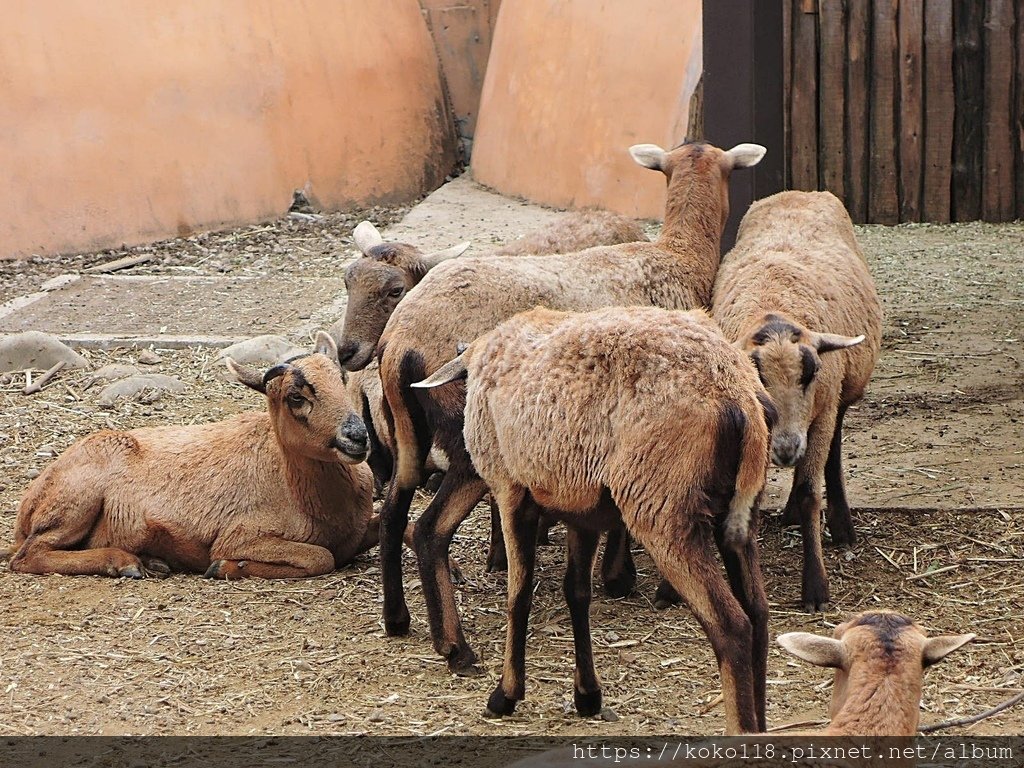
x,y
36,350
149,386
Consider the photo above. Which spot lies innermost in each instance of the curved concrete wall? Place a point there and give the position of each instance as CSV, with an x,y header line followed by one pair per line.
x,y
126,120
570,85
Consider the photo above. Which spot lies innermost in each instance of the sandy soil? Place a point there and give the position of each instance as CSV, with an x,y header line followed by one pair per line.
x,y
936,473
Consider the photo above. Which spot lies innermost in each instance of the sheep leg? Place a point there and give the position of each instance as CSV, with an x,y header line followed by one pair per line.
x,y
806,497
744,571
394,520
56,517
497,560
269,558
840,522
519,524
687,560
460,491
579,572
617,568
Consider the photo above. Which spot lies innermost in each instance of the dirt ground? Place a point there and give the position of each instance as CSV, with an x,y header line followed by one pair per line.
x,y
935,463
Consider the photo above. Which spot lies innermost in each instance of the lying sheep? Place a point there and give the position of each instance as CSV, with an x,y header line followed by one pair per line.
x,y
387,271
880,658
795,281
639,412
276,494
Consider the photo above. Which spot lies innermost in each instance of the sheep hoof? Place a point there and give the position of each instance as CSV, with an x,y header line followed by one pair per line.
x,y
587,704
464,663
620,586
222,569
156,568
497,561
131,572
498,705
842,533
398,627
815,603
666,596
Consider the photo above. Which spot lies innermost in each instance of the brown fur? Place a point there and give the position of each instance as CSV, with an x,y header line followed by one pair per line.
x,y
274,494
468,297
880,658
795,276
641,412
380,279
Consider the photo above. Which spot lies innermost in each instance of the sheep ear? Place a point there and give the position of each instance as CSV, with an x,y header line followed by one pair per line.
x,y
938,648
746,155
649,156
324,344
431,260
366,236
450,371
246,375
818,650
829,342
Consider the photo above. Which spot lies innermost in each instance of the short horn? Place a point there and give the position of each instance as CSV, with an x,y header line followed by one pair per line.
x,y
450,371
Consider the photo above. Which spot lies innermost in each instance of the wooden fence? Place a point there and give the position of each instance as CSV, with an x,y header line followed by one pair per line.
x,y
908,110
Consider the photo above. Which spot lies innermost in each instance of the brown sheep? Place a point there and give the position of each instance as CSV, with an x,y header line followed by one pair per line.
x,y
880,658
469,297
276,494
636,412
387,271
795,281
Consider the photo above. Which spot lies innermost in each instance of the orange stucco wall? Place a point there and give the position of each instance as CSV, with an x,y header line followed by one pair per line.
x,y
570,85
126,120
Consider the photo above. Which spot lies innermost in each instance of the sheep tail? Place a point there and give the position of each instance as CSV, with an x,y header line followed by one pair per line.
x,y
750,476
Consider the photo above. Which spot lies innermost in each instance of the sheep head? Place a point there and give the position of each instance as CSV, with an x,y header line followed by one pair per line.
x,y
375,283
698,157
871,646
788,359
310,408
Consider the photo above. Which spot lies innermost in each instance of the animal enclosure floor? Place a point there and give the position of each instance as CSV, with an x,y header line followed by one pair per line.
x,y
935,472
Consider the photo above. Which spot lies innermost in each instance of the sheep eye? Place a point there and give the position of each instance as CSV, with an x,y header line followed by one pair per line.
x,y
396,292
295,400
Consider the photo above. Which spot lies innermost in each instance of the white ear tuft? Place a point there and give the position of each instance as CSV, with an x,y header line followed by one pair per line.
x,y
366,236
649,156
431,260
324,344
937,648
818,650
746,155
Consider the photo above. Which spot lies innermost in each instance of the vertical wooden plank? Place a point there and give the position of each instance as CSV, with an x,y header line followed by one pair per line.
x,y
787,86
883,202
832,95
743,94
968,88
858,108
804,100
939,110
911,111
997,192
1020,112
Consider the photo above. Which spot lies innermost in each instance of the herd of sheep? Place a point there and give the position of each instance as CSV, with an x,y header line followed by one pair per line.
x,y
582,375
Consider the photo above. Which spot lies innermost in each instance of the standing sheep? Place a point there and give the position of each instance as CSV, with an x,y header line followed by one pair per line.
x,y
795,281
276,494
639,412
469,297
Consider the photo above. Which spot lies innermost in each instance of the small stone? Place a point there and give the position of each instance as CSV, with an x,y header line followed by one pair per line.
x,y
608,715
612,637
149,357
32,474
376,716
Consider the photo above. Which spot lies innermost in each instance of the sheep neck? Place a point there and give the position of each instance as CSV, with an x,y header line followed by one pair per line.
x,y
317,486
694,220
879,702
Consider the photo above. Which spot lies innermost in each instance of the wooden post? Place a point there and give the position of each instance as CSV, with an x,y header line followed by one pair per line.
x,y
743,95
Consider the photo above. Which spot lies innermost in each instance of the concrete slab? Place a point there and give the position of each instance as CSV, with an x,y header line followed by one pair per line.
x,y
103,310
